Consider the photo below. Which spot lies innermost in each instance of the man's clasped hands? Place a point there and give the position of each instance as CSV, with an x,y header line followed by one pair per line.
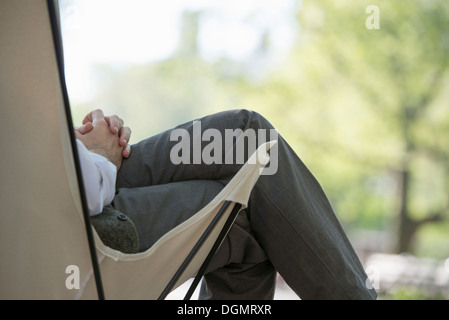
x,y
106,136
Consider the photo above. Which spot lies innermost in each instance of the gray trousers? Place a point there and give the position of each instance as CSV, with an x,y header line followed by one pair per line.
x,y
289,225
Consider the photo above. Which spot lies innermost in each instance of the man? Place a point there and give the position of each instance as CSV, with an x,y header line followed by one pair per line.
x,y
289,225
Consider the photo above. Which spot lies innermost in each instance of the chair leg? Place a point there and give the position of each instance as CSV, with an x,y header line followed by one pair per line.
x,y
198,245
214,249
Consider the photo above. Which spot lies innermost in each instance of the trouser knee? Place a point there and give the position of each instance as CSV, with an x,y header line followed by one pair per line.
x,y
250,119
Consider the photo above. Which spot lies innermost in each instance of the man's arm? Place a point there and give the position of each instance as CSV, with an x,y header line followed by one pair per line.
x,y
101,149
99,176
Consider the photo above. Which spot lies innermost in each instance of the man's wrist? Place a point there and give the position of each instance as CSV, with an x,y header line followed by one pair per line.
x,y
107,156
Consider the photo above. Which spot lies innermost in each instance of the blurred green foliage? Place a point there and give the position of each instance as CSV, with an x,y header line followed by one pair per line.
x,y
411,293
365,109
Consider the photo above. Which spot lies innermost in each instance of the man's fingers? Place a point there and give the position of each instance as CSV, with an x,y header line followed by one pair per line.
x,y
85,128
97,116
126,152
124,135
87,118
115,123
94,117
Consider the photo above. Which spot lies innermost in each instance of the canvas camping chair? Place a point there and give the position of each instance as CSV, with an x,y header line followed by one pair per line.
x,y
46,239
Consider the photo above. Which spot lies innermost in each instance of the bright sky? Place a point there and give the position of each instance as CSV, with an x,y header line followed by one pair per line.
x,y
139,31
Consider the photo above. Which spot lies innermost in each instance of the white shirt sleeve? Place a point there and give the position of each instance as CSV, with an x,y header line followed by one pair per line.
x,y
99,176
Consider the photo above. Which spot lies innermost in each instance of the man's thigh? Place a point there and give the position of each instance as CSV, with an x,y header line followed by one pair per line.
x,y
151,161
155,210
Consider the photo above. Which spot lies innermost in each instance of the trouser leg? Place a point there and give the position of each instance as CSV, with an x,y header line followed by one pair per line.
x,y
289,214
241,269
157,209
295,224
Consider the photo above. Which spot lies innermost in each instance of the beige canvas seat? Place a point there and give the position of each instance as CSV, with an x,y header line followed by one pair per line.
x,y
44,239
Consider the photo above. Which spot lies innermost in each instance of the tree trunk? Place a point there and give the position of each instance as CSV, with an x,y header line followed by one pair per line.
x,y
406,226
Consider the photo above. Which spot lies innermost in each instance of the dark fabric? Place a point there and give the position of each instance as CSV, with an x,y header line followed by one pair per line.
x,y
289,225
116,230
157,209
241,269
